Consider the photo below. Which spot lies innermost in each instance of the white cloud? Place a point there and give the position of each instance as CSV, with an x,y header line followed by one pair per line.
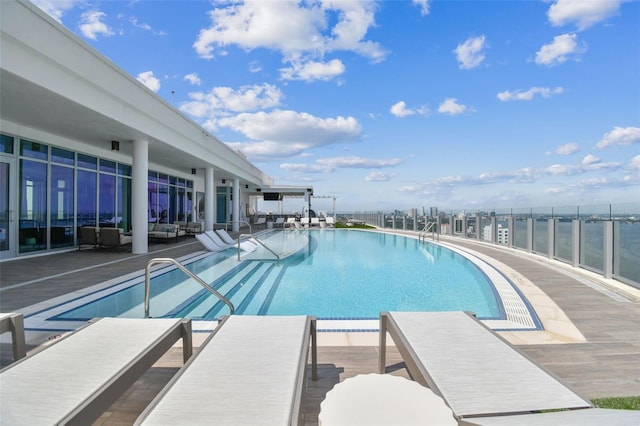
x,y
326,165
581,12
452,107
590,159
220,101
620,136
379,177
634,164
281,133
91,25
193,78
470,54
134,21
149,80
518,95
310,71
423,5
566,149
301,31
562,47
254,67
399,109
56,8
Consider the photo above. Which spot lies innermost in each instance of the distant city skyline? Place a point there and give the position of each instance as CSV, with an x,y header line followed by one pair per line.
x,y
398,104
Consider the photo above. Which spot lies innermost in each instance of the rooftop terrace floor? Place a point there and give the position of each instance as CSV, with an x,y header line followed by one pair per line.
x,y
605,363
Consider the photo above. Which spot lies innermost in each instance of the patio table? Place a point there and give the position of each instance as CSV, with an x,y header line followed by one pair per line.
x,y
383,399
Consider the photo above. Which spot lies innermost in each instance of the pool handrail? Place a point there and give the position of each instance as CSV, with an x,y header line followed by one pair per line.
x,y
238,221
147,283
259,242
429,227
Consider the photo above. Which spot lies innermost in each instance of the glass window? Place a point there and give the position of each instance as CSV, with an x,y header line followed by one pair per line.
x,y
62,156
87,197
33,206
87,162
124,204
4,206
163,178
163,204
189,184
153,176
124,170
107,200
107,166
61,231
173,180
33,150
6,144
152,203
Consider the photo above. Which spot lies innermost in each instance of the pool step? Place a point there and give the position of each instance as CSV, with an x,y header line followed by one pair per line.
x,y
247,286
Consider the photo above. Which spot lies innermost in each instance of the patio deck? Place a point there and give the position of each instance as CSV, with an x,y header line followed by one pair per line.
x,y
607,364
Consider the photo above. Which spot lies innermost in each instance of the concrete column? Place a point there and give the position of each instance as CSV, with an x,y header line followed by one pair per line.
x,y
607,267
139,197
236,205
551,234
209,199
529,235
494,230
575,242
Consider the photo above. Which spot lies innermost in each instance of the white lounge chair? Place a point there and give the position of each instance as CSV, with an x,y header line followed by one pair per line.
x,y
247,245
209,244
475,371
261,221
329,221
279,222
217,241
250,371
588,417
14,322
77,378
315,221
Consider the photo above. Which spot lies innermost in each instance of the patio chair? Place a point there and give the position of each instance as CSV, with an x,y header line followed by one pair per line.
x,y
279,222
329,221
78,377
88,236
253,368
475,371
114,238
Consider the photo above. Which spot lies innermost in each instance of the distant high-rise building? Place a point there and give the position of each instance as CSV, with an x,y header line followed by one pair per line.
x,y
503,234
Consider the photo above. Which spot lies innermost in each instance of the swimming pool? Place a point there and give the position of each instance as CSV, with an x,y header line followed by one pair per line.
x,y
332,274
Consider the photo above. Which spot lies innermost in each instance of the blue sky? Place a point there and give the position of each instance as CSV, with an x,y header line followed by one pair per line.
x,y
398,104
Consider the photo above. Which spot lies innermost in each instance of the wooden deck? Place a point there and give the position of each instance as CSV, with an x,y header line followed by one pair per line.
x,y
607,364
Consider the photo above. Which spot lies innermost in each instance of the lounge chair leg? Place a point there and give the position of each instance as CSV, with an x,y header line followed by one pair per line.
x,y
383,344
187,340
314,351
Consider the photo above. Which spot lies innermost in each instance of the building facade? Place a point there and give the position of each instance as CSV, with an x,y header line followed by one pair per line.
x,y
82,143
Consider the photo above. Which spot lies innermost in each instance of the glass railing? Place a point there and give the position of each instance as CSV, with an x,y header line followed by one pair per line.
x,y
601,238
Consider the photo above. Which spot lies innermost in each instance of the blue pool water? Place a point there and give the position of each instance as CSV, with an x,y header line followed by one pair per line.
x,y
336,274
